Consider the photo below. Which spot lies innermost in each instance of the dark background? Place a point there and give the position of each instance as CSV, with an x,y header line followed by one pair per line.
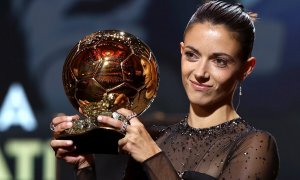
x,y
36,36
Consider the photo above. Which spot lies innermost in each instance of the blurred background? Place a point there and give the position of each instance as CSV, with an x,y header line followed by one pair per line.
x,y
36,36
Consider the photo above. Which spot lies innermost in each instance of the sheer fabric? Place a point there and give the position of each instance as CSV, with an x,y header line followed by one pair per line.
x,y
232,150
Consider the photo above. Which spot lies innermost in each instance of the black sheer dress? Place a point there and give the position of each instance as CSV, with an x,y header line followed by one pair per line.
x,y
232,150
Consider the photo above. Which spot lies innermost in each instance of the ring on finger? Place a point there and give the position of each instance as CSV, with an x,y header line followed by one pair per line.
x,y
130,116
124,127
52,126
118,116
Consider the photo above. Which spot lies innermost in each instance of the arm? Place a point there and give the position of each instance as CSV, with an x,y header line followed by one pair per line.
x,y
147,158
159,167
254,157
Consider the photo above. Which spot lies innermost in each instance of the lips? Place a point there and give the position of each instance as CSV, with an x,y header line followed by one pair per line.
x,y
200,86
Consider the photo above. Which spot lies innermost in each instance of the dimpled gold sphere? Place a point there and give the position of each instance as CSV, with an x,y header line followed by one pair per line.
x,y
108,70
105,71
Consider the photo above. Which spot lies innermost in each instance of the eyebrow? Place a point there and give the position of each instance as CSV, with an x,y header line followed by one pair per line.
x,y
193,49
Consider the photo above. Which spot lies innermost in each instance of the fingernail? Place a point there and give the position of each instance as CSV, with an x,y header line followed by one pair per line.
x,y
69,118
99,118
69,142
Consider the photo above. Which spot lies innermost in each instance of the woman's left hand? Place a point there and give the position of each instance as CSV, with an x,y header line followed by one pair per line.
x,y
137,141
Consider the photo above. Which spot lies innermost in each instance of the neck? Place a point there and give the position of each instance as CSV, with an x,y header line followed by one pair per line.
x,y
204,117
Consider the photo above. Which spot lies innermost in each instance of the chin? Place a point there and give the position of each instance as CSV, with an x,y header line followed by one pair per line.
x,y
200,101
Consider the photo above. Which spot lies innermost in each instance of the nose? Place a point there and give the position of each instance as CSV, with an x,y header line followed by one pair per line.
x,y
201,71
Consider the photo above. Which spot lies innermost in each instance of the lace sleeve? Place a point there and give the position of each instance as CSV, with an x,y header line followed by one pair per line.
x,y
158,167
255,157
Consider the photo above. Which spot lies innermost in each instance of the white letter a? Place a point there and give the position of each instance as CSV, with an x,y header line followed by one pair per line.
x,y
16,110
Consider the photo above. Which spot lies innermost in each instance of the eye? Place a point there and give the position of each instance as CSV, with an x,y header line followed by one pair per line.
x,y
191,56
221,62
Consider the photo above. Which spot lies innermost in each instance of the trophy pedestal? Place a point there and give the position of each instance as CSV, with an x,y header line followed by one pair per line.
x,y
95,141
89,136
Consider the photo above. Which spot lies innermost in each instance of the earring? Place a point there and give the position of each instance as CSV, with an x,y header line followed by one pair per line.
x,y
239,98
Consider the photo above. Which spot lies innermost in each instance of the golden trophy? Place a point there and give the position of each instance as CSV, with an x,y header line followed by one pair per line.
x,y
105,71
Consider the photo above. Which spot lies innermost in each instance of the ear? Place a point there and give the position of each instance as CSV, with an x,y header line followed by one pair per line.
x,y
181,47
248,67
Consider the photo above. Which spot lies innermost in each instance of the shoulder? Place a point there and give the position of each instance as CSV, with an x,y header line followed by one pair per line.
x,y
259,137
259,143
249,135
256,152
256,145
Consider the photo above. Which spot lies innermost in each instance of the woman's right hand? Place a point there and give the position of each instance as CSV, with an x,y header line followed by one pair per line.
x,y
64,149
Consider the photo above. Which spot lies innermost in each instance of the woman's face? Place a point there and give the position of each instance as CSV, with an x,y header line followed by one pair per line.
x,y
210,64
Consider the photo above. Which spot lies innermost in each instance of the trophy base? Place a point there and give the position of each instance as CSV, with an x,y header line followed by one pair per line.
x,y
96,141
90,136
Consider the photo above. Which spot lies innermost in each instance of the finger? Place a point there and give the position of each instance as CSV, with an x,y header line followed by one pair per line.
x,y
123,149
59,119
61,123
63,126
55,144
63,152
110,121
135,122
126,113
122,141
136,130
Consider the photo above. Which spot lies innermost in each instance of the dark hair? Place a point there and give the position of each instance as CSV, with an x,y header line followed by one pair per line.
x,y
233,17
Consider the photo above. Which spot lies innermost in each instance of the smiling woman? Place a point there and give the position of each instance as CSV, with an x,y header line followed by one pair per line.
x,y
211,69
213,141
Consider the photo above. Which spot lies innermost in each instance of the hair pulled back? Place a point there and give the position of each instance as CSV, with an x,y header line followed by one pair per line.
x,y
233,17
